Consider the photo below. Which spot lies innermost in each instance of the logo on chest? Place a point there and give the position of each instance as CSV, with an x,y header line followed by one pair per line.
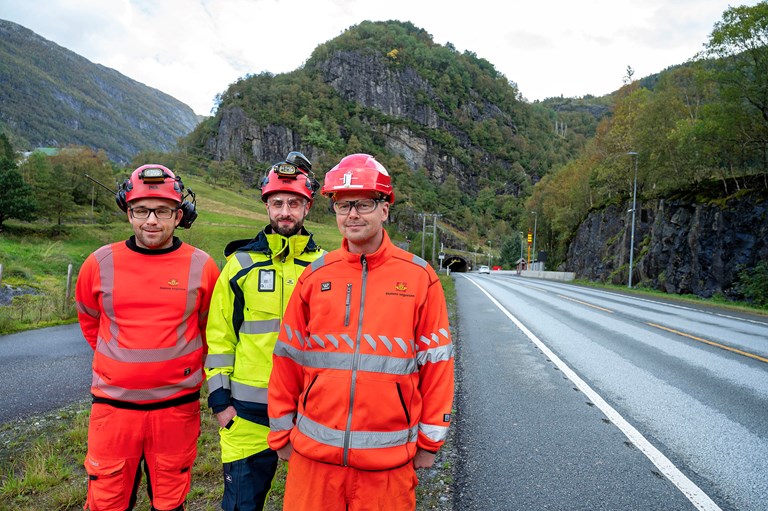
x,y
400,289
172,284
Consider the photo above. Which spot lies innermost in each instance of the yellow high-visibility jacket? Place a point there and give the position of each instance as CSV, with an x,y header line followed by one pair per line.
x,y
248,303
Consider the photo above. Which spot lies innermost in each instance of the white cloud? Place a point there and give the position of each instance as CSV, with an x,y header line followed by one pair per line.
x,y
193,49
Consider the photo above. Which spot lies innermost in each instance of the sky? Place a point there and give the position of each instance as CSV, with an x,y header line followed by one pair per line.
x,y
193,49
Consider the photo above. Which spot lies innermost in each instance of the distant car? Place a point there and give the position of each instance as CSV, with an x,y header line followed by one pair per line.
x,y
484,269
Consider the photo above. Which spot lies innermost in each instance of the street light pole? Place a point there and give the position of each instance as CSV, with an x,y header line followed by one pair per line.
x,y
521,245
489,253
535,221
632,234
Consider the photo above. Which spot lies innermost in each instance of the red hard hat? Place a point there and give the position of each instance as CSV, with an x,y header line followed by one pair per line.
x,y
358,172
294,175
153,181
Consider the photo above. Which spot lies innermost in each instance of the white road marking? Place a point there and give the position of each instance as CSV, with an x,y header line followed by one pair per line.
x,y
692,492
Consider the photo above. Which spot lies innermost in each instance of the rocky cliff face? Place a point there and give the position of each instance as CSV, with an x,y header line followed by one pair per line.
x,y
241,139
681,246
404,107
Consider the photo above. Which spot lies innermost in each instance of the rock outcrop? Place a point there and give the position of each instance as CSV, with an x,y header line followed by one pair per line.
x,y
681,247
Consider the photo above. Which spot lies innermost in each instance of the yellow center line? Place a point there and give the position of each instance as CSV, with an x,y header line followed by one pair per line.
x,y
712,343
585,303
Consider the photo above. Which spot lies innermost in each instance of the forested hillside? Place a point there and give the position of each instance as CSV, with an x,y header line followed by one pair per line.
x,y
454,132
52,97
692,139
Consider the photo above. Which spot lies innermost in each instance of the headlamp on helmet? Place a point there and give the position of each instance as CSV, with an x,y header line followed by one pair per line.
x,y
294,175
153,175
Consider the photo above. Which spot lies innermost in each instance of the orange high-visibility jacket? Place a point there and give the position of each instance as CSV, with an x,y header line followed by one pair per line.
x,y
144,313
363,366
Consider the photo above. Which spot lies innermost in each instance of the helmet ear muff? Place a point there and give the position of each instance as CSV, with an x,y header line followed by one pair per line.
x,y
123,189
313,185
188,207
188,204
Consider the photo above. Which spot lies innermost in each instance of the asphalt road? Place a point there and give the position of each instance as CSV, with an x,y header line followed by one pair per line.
x,y
43,370
572,398
569,398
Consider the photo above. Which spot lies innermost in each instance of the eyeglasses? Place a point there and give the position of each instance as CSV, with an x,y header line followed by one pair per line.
x,y
293,204
160,213
362,206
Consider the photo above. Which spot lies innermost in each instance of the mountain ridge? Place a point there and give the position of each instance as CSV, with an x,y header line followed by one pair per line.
x,y
51,96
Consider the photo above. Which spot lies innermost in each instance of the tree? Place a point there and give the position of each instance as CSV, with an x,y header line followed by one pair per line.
x,y
16,200
740,42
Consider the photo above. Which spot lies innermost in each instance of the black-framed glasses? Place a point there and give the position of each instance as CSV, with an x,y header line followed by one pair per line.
x,y
362,206
160,213
293,204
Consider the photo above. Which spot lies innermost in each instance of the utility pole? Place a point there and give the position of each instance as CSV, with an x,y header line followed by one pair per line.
x,y
434,216
423,233
535,220
632,234
434,236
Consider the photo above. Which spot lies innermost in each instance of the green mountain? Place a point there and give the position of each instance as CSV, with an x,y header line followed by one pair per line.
x,y
52,97
453,131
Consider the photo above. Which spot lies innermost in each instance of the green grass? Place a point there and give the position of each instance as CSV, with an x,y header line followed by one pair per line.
x,y
715,301
37,255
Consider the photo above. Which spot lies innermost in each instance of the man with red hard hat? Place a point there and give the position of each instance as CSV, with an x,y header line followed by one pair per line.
x,y
248,304
362,383
143,307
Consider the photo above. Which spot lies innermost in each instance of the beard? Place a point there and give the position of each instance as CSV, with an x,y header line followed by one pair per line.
x,y
285,230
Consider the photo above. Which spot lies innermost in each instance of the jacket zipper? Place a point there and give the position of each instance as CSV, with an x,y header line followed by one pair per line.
x,y
348,302
355,361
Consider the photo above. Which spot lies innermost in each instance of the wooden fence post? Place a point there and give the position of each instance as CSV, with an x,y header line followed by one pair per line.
x,y
1,273
69,286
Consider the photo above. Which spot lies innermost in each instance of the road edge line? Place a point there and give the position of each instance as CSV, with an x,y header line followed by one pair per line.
x,y
688,488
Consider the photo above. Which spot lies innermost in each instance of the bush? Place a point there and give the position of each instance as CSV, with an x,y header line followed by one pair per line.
x,y
753,284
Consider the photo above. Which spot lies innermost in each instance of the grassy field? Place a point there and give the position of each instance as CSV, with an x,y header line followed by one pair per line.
x,y
36,256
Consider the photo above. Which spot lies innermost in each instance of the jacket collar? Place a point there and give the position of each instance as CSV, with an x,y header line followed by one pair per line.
x,y
382,254
273,244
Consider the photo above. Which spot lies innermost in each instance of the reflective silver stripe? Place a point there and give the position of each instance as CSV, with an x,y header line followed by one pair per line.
x,y
418,260
284,423
357,439
129,355
244,259
220,360
283,349
434,433
94,313
105,257
243,392
317,263
439,354
157,393
218,381
263,326
343,361
347,339
194,283
433,337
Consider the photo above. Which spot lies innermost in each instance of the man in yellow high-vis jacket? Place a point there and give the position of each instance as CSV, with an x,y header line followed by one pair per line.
x,y
248,303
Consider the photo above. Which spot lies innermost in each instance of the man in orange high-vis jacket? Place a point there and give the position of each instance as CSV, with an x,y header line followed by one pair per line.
x,y
143,307
362,383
